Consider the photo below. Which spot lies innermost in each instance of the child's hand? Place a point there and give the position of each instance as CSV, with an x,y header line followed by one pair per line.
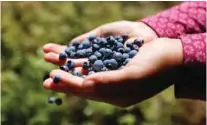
x,y
134,29
153,69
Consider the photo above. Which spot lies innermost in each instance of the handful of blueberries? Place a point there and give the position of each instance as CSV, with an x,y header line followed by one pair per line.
x,y
103,53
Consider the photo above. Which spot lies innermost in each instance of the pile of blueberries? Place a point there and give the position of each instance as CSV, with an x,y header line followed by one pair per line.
x,y
103,53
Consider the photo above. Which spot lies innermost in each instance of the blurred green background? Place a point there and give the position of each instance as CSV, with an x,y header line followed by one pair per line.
x,y
27,26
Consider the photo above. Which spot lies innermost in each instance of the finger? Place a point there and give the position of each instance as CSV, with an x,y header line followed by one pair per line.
x,y
103,79
81,70
61,87
80,38
54,58
67,78
55,48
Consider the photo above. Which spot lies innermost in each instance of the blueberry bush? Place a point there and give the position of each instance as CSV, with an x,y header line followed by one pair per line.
x,y
27,26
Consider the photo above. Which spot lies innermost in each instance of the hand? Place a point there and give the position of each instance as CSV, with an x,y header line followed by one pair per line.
x,y
153,69
134,29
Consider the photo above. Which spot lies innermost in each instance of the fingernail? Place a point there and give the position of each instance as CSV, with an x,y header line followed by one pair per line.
x,y
88,86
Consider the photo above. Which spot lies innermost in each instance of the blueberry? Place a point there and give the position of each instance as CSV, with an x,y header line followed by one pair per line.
x,y
62,56
120,40
98,55
81,53
76,73
135,47
96,41
75,44
92,58
56,79
86,44
51,99
98,65
126,61
121,67
58,101
46,76
64,68
111,40
70,64
80,47
101,50
89,52
139,42
95,47
119,45
72,55
125,56
91,37
118,56
114,64
129,45
127,50
107,52
104,69
124,37
106,62
121,50
71,48
86,65
91,72
103,42
132,53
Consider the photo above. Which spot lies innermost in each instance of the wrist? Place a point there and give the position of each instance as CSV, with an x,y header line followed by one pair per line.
x,y
174,50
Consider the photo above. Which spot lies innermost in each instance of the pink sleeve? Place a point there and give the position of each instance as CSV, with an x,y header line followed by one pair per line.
x,y
194,49
192,83
186,18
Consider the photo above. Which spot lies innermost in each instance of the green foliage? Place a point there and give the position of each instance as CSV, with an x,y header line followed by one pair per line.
x,y
27,26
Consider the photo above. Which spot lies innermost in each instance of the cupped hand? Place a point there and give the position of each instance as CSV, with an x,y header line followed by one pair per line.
x,y
133,29
153,69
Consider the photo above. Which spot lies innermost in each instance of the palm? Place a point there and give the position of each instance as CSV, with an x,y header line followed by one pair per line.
x,y
126,85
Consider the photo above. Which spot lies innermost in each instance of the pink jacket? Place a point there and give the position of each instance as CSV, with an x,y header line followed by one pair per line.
x,y
187,22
